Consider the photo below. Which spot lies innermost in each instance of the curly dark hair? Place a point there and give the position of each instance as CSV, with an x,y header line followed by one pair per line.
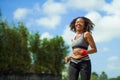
x,y
89,25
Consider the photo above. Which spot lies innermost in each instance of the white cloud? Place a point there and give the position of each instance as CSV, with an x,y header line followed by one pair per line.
x,y
113,66
106,27
68,35
21,13
113,8
85,4
37,7
113,59
49,22
46,35
50,10
52,14
53,8
105,49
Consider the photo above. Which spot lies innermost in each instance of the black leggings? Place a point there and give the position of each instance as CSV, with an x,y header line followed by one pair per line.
x,y
84,68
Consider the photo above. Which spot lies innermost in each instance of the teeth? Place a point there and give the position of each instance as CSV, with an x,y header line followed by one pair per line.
x,y
78,25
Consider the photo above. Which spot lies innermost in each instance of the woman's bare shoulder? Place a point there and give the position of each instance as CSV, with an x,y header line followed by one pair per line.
x,y
87,34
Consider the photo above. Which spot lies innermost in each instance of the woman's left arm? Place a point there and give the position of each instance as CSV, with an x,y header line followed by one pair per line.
x,y
91,42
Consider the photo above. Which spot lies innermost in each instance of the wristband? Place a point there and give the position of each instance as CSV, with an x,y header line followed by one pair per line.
x,y
83,53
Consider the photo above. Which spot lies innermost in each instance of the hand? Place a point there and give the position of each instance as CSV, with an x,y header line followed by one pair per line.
x,y
77,51
67,59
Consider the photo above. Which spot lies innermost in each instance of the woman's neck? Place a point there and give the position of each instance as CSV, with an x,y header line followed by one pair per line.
x,y
79,32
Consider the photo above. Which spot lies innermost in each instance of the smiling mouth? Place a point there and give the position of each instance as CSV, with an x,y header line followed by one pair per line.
x,y
78,25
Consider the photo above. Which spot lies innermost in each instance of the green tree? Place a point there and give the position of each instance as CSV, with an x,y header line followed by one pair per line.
x,y
24,50
17,44
14,54
103,76
50,56
94,76
60,51
9,49
3,56
118,78
35,50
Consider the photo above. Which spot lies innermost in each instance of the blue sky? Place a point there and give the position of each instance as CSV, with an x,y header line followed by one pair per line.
x,y
52,17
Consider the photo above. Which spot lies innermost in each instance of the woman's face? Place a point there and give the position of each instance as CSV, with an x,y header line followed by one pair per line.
x,y
79,24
